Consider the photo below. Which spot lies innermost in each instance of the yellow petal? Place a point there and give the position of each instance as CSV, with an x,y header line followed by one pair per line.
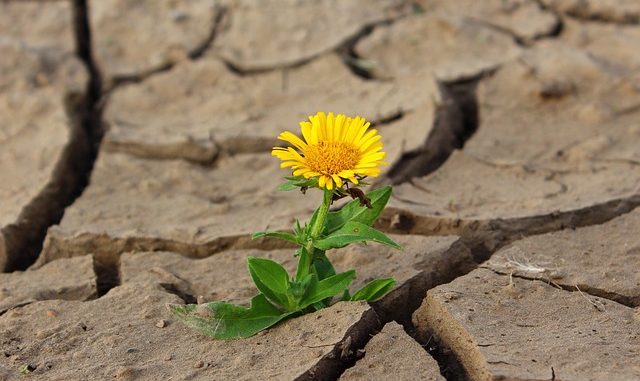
x,y
296,155
306,129
300,171
329,183
338,180
330,127
346,174
322,181
288,164
293,139
346,128
377,146
369,135
369,142
360,133
339,127
322,126
374,156
367,164
369,171
283,155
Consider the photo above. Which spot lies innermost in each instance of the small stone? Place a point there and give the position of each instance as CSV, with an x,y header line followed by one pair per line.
x,y
198,364
52,313
132,350
161,323
168,358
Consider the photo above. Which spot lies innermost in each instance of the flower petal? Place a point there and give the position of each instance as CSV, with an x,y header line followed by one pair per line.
x,y
306,129
293,139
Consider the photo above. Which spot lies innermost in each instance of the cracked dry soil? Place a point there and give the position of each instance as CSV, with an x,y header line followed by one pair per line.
x,y
134,164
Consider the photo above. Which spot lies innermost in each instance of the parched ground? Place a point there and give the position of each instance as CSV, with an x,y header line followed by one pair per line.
x,y
135,163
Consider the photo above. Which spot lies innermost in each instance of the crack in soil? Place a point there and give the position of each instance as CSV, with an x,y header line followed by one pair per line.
x,y
496,232
554,32
627,301
455,122
347,352
462,257
578,13
24,239
345,49
351,59
220,12
108,250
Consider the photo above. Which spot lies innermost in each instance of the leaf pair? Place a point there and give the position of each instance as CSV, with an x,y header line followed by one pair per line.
x,y
350,224
273,281
279,299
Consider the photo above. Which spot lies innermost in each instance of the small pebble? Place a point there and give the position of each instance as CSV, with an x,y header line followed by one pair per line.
x,y
168,358
161,323
52,313
198,364
132,350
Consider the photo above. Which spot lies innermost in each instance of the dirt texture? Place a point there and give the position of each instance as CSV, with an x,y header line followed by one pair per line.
x,y
434,45
136,38
223,276
524,20
594,259
617,11
118,336
392,354
558,127
135,164
67,279
175,206
298,30
510,328
201,109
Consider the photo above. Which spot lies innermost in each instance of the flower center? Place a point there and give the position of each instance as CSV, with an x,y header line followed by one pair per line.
x,y
330,158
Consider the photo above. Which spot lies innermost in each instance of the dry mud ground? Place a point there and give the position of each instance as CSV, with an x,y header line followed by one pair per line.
x,y
134,164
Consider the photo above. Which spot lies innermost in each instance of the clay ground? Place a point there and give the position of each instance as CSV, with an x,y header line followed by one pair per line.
x,y
135,163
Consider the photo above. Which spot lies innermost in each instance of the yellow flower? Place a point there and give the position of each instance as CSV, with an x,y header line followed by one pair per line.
x,y
334,149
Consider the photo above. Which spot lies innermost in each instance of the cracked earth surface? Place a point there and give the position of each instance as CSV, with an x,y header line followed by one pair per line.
x,y
135,163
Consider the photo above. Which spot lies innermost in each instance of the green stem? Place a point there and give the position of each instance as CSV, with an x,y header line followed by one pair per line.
x,y
318,225
316,230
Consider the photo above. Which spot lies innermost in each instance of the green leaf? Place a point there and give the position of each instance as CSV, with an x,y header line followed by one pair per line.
x,y
304,262
222,320
271,279
355,212
297,182
374,290
327,288
312,221
353,232
299,288
322,264
281,235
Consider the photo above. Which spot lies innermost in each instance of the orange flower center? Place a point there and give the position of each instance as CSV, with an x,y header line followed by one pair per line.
x,y
331,158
